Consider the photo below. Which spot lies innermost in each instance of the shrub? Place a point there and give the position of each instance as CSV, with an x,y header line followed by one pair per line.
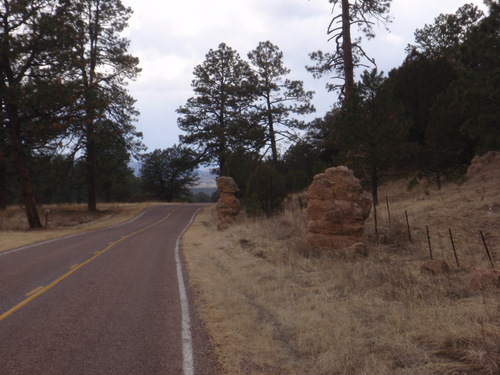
x,y
266,186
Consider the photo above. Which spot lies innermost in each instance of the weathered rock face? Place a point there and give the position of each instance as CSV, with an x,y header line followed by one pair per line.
x,y
228,205
337,208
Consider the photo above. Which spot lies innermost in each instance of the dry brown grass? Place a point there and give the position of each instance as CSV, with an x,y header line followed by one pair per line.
x,y
63,220
273,305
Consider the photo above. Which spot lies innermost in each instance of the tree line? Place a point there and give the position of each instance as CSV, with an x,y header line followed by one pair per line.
x,y
63,72
67,120
428,117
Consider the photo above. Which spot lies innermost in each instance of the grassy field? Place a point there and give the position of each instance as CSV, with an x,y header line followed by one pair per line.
x,y
63,220
274,305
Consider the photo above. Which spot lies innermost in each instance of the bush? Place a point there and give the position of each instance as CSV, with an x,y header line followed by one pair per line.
x,y
253,207
267,187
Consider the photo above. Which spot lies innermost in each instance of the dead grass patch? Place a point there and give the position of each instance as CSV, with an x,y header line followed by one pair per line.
x,y
63,220
273,305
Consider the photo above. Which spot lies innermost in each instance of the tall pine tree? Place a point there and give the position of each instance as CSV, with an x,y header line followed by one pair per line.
x,y
217,120
102,67
35,45
349,52
277,97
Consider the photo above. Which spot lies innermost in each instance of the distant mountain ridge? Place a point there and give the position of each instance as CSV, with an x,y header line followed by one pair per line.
x,y
205,179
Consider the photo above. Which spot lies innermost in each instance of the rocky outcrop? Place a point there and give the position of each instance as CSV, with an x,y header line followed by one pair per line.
x,y
228,205
480,278
337,209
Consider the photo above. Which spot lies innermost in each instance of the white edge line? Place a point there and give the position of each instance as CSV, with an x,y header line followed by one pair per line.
x,y
187,342
66,237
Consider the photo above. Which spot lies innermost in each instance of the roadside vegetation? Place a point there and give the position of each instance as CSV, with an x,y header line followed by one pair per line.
x,y
274,305
62,220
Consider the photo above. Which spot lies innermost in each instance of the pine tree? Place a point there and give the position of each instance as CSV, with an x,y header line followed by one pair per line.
x,y
168,174
217,119
102,67
35,40
349,53
278,98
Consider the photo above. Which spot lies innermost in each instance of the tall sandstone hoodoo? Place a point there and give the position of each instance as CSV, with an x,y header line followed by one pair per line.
x,y
337,209
228,205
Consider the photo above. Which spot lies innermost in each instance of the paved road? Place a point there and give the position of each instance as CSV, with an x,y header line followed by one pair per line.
x,y
104,302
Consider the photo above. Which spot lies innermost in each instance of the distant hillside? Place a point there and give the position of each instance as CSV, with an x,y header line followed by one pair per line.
x,y
207,190
206,179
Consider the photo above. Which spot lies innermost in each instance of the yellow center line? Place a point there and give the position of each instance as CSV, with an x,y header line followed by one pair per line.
x,y
41,290
34,291
73,266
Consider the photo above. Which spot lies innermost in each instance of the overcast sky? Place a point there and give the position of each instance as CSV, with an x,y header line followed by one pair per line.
x,y
172,37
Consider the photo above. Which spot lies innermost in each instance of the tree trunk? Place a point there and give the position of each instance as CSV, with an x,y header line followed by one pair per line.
x,y
28,194
374,188
22,169
3,184
347,50
272,135
374,185
91,179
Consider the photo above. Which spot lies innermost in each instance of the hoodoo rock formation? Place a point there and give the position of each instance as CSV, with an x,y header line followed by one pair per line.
x,y
337,209
228,205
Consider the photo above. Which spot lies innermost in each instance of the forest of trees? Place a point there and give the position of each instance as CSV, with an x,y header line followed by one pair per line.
x,y
67,129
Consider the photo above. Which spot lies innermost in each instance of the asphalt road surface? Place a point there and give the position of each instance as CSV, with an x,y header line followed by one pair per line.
x,y
111,301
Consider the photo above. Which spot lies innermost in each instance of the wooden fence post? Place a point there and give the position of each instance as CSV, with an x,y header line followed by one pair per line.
x,y
388,210
429,240
453,245
408,226
487,250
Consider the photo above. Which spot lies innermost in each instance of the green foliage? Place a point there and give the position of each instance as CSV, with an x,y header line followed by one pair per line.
x,y
253,206
267,187
201,197
277,98
316,151
296,180
412,184
240,164
449,88
168,174
370,131
416,85
447,33
480,84
216,121
349,54
104,106
64,68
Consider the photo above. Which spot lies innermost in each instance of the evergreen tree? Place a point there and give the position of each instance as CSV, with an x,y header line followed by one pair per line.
x,y
102,67
416,85
446,150
217,119
265,190
479,87
370,131
447,33
278,98
349,53
35,50
168,174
